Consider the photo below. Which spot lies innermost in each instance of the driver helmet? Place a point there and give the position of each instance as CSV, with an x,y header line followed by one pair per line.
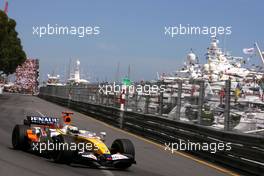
x,y
73,129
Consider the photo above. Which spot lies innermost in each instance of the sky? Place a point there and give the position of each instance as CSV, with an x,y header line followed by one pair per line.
x,y
132,33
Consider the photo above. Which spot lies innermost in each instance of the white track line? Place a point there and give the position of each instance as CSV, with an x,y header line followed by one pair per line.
x,y
40,113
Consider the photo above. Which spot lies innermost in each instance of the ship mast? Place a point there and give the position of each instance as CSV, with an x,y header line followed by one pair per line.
x,y
259,51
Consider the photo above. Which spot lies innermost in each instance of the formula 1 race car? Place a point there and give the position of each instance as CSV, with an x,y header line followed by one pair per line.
x,y
67,144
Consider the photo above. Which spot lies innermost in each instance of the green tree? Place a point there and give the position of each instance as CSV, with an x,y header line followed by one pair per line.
x,y
11,50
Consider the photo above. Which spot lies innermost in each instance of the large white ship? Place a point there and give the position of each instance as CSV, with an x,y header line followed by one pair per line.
x,y
219,67
75,77
53,80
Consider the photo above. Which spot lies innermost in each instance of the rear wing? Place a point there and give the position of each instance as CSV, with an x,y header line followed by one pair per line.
x,y
39,120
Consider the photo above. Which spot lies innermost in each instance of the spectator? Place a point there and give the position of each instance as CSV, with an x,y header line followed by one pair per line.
x,y
27,76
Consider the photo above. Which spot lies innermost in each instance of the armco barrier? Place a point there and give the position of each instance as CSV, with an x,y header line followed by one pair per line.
x,y
246,155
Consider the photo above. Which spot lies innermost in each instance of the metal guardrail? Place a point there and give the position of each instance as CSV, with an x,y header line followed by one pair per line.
x,y
247,153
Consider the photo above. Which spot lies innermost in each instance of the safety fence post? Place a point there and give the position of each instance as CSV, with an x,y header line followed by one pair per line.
x,y
178,111
227,105
200,102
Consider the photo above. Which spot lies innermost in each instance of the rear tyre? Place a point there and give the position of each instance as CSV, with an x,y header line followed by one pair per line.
x,y
63,155
19,138
125,147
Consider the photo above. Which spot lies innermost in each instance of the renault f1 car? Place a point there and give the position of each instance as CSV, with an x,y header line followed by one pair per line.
x,y
67,144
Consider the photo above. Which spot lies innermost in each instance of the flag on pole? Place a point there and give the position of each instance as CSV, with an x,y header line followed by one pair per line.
x,y
249,51
6,6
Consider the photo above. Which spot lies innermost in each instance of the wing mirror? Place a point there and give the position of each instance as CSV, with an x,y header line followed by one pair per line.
x,y
102,135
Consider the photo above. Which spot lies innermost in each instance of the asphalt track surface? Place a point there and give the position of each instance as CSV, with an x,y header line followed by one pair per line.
x,y
151,158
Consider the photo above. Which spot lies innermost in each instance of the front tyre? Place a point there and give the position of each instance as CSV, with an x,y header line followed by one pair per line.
x,y
63,155
124,147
